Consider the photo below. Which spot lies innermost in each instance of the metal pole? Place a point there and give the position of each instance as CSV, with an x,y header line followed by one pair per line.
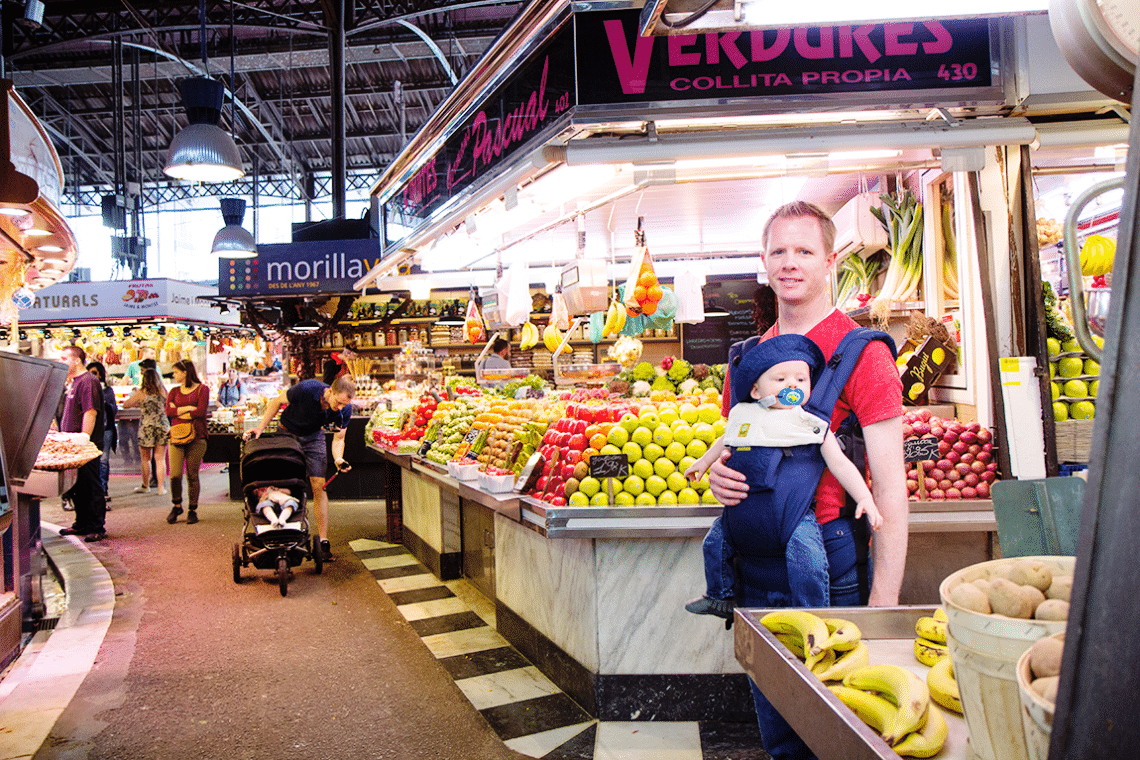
x,y
336,71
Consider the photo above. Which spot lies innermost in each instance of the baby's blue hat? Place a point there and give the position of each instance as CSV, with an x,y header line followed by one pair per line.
x,y
767,354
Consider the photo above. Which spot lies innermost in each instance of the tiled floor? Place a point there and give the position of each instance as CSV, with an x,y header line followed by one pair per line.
x,y
529,712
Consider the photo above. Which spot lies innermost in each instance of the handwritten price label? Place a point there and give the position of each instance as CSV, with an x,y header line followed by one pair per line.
x,y
609,466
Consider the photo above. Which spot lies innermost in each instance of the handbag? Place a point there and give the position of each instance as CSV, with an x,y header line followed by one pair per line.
x,y
182,433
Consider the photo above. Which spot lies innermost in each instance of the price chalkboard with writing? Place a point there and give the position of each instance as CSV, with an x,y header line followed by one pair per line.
x,y
920,450
425,446
707,342
609,466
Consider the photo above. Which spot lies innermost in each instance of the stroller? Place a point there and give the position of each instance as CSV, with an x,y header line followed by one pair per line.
x,y
277,461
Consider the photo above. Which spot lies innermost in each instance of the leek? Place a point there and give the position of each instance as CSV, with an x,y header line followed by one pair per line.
x,y
902,220
949,254
856,275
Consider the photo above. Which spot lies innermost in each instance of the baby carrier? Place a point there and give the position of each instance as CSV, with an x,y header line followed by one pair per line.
x,y
760,533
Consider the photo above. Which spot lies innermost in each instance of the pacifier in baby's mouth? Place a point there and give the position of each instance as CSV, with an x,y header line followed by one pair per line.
x,y
786,396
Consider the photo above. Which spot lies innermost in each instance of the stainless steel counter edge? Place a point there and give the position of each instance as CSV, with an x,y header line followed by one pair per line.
x,y
506,504
402,460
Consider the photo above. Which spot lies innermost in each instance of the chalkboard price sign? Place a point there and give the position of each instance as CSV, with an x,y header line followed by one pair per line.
x,y
921,450
609,466
424,448
471,437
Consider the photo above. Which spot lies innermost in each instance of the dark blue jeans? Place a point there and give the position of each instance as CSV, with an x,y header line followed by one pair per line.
x,y
780,741
105,460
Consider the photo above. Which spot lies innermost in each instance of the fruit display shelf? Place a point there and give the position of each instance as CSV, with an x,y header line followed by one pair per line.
x,y
817,715
618,522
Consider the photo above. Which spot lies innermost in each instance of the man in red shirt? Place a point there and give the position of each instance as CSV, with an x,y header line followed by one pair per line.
x,y
799,258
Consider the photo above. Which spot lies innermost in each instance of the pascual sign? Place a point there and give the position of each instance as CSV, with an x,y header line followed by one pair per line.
x,y
299,268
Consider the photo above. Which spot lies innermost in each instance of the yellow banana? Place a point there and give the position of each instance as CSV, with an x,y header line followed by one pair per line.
x,y
929,652
846,662
940,614
875,711
793,641
611,320
931,629
943,687
621,317
811,629
843,634
531,335
928,741
825,660
899,686
552,338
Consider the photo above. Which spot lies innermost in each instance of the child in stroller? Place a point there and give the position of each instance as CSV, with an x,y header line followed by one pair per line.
x,y
276,505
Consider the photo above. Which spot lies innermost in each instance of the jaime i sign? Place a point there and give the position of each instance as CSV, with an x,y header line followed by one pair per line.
x,y
299,268
932,55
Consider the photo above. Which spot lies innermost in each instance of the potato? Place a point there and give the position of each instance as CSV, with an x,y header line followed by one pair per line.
x,y
982,585
1026,572
1006,599
1045,657
970,597
1000,571
1046,688
1052,609
975,573
1032,595
1061,588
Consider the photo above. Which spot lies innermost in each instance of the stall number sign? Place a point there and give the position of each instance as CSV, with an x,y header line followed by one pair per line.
x,y
609,466
921,450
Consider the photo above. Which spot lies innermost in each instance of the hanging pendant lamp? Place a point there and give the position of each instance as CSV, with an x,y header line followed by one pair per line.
x,y
233,241
203,152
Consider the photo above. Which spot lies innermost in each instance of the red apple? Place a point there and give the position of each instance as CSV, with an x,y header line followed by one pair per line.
x,y
540,484
567,471
558,501
573,457
578,442
580,427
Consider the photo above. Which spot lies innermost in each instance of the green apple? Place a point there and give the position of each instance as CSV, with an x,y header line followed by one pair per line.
x,y
668,415
702,485
1052,369
578,499
609,448
642,468
688,413
667,499
708,413
677,482
664,467
675,452
630,422
1092,367
1070,366
1082,410
1055,387
600,499
655,484
683,433
688,496
703,431
685,463
1076,389
645,500
708,498
653,452
696,449
1071,346
623,499
1054,346
632,452
589,486
1099,341
618,436
649,419
662,436
718,428
1060,411
642,436
1094,386
633,484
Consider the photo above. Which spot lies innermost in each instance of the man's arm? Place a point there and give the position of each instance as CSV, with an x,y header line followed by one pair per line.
x,y
884,441
337,448
89,419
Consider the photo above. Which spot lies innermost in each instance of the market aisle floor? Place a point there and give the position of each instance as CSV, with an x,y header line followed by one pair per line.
x,y
194,666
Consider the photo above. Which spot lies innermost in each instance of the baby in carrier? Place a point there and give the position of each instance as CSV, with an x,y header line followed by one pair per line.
x,y
765,427
276,505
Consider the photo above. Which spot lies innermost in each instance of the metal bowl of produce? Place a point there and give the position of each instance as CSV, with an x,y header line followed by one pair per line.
x,y
1098,309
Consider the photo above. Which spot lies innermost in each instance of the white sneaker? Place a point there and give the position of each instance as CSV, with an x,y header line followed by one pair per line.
x,y
142,489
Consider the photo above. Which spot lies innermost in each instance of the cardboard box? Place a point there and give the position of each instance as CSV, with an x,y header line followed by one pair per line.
x,y
923,369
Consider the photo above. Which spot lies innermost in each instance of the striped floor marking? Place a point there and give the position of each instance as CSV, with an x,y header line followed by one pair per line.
x,y
528,711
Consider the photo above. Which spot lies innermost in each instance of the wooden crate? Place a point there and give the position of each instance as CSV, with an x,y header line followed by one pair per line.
x,y
1074,440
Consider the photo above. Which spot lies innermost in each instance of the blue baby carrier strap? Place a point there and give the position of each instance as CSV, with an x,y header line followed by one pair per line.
x,y
762,525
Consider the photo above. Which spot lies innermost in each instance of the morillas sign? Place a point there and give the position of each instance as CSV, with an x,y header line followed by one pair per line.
x,y
326,266
866,58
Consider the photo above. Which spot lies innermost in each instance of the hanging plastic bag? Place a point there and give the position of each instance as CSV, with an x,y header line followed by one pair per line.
x,y
559,313
473,329
514,295
688,286
642,289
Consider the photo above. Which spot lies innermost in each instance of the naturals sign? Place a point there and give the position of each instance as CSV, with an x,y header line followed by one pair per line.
x,y
123,299
299,268
927,55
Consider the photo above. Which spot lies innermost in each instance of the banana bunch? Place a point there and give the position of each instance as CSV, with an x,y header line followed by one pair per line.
x,y
1097,255
943,686
930,644
552,338
615,319
829,647
528,336
896,703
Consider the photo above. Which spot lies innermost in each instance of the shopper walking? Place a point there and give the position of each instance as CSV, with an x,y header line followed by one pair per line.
x,y
154,428
83,413
110,433
186,406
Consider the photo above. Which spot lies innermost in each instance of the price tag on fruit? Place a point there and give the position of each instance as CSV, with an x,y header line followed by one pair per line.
x,y
921,450
609,466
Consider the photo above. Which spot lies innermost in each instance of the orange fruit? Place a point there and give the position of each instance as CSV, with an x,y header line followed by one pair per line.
x,y
639,293
649,307
647,279
598,441
654,293
588,453
591,431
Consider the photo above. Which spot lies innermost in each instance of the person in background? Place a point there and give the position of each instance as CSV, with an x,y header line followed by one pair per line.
x,y
110,433
232,390
330,371
500,356
135,368
83,413
311,405
154,429
188,401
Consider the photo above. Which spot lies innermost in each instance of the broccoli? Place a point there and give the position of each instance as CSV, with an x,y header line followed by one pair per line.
x,y
700,372
643,371
679,371
662,383
641,388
